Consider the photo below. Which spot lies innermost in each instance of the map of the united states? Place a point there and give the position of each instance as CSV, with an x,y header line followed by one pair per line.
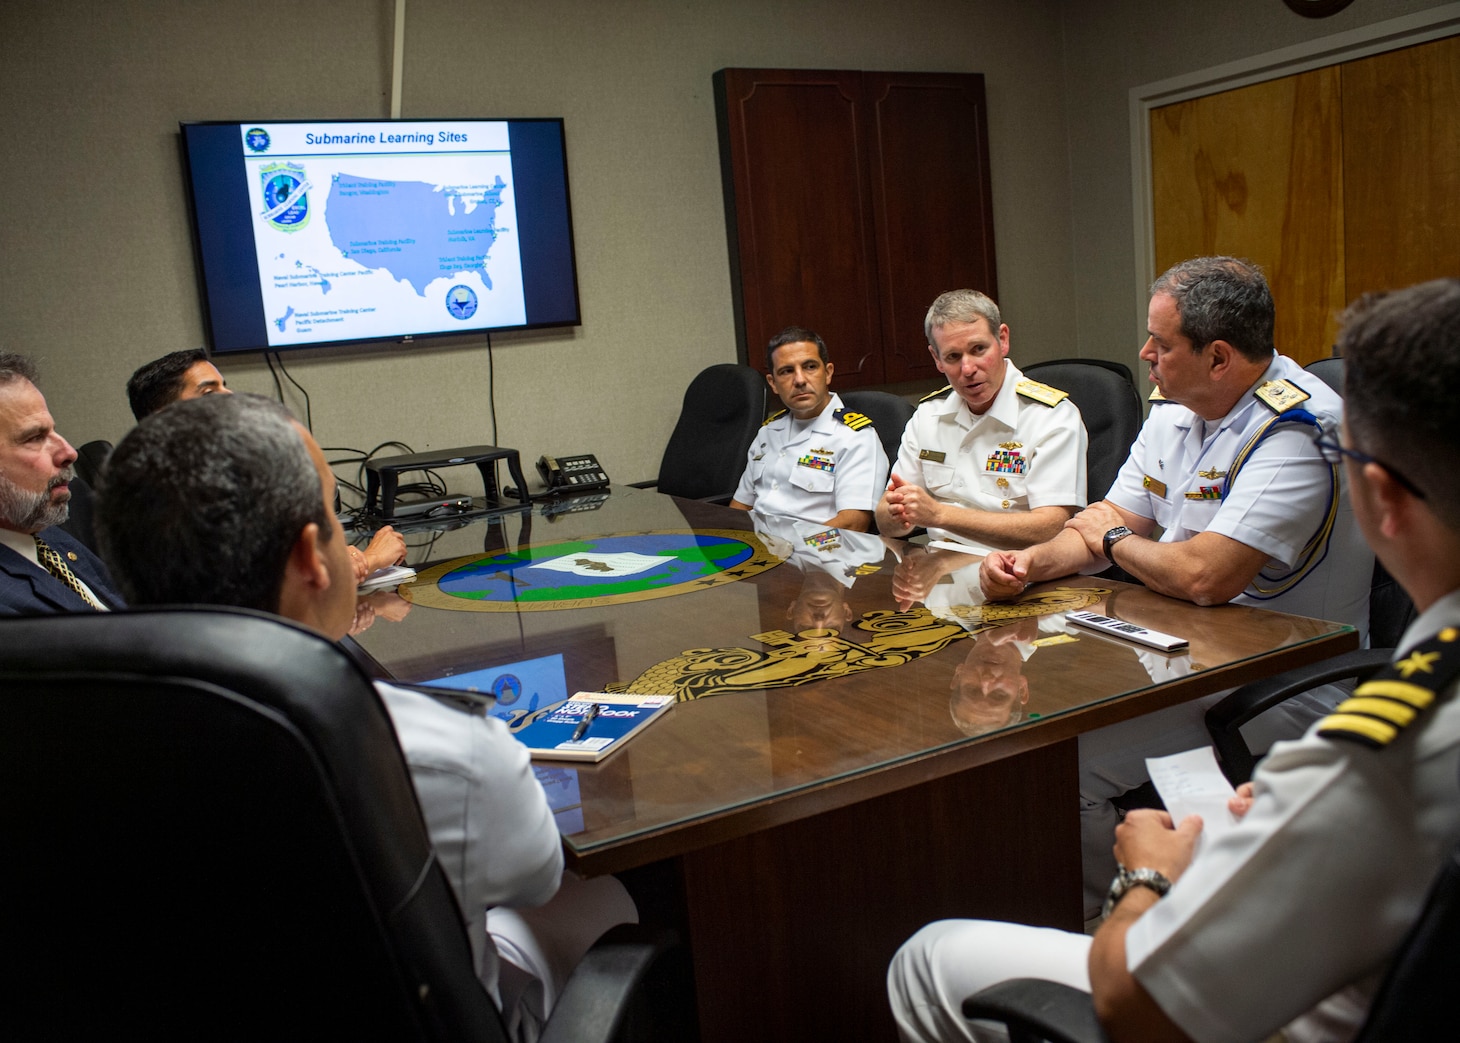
x,y
414,231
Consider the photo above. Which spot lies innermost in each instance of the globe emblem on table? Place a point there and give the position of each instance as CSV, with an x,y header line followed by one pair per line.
x,y
257,139
461,301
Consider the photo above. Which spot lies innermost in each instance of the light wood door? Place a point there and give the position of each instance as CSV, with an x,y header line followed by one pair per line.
x,y
1338,181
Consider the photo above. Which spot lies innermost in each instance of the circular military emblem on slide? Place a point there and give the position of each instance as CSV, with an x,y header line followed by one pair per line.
x,y
461,301
257,139
599,570
286,196
507,689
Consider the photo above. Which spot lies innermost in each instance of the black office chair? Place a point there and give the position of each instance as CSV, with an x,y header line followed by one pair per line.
x,y
890,414
1110,406
723,408
80,516
210,832
1329,370
91,458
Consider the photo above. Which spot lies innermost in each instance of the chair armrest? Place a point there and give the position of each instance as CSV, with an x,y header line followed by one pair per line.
x,y
1225,719
631,973
1034,1009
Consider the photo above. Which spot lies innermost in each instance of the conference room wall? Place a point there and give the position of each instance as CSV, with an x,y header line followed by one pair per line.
x,y
97,273
1114,46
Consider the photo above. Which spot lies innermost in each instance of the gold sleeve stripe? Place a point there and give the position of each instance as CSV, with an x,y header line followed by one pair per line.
x,y
1387,709
1347,725
1412,694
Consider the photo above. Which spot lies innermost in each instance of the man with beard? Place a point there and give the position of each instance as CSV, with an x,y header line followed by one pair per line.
x,y
42,568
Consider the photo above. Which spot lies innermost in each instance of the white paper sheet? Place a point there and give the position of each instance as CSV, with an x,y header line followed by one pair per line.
x,y
1190,783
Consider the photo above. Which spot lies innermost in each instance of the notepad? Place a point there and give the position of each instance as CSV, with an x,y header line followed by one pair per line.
x,y
549,736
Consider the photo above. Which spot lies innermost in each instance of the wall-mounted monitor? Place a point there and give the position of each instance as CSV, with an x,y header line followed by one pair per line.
x,y
311,233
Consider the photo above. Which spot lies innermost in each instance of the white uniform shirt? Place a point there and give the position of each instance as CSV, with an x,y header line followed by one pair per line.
x,y
1276,504
1019,455
487,814
1300,908
814,470
841,553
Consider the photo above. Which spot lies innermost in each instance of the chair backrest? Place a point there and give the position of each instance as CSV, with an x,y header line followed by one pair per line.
x,y
890,414
210,831
1329,370
724,407
1414,1001
91,458
81,513
1110,406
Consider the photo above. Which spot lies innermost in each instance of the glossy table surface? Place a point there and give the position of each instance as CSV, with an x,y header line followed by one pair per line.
x,y
825,670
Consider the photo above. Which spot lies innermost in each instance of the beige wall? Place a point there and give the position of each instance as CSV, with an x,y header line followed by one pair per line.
x,y
96,266
98,272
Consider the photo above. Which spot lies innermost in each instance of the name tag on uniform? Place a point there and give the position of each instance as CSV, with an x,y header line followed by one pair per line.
x,y
1155,485
929,454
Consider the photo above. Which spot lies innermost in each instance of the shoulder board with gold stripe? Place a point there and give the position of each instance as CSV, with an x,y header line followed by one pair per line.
x,y
856,421
1156,396
1398,695
1041,393
936,394
773,417
1281,395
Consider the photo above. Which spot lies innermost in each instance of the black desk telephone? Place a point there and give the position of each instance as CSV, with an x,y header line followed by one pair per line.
x,y
572,473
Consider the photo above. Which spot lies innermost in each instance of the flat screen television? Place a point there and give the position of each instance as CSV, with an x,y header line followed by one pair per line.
x,y
311,233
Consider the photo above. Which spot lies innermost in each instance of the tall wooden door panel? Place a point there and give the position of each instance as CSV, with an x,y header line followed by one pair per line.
x,y
1401,146
1257,173
852,200
801,223
934,210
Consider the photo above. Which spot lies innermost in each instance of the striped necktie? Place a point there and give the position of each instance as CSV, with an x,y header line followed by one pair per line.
x,y
56,566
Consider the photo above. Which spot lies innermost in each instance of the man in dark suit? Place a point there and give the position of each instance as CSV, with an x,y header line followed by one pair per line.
x,y
42,568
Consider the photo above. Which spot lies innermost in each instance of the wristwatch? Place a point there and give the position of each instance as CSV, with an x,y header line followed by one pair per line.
x,y
1128,878
1113,537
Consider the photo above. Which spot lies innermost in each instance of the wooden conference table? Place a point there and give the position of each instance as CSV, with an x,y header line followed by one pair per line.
x,y
861,746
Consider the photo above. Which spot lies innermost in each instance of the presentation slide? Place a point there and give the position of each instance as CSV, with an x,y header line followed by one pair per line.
x,y
365,230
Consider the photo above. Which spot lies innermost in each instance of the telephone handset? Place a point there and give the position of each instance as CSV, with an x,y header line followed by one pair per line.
x,y
574,473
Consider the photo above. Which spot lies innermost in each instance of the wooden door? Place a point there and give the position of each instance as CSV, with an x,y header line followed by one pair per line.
x,y
1338,181
852,200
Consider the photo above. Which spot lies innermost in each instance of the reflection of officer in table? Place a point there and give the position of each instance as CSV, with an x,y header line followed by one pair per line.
x,y
994,458
988,690
815,459
830,560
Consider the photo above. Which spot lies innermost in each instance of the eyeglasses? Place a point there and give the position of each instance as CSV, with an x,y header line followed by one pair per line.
x,y
1334,453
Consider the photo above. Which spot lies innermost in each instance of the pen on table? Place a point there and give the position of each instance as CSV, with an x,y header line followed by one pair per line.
x,y
582,728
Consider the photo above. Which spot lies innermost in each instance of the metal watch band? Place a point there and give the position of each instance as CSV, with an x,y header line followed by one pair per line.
x,y
1128,878
1112,537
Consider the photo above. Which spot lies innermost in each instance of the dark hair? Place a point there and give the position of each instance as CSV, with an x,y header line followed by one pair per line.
x,y
1221,298
1401,380
16,367
201,503
793,335
159,383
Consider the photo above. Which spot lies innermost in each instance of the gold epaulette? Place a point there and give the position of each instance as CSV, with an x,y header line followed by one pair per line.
x,y
936,394
1281,395
774,416
1041,393
856,421
1398,695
